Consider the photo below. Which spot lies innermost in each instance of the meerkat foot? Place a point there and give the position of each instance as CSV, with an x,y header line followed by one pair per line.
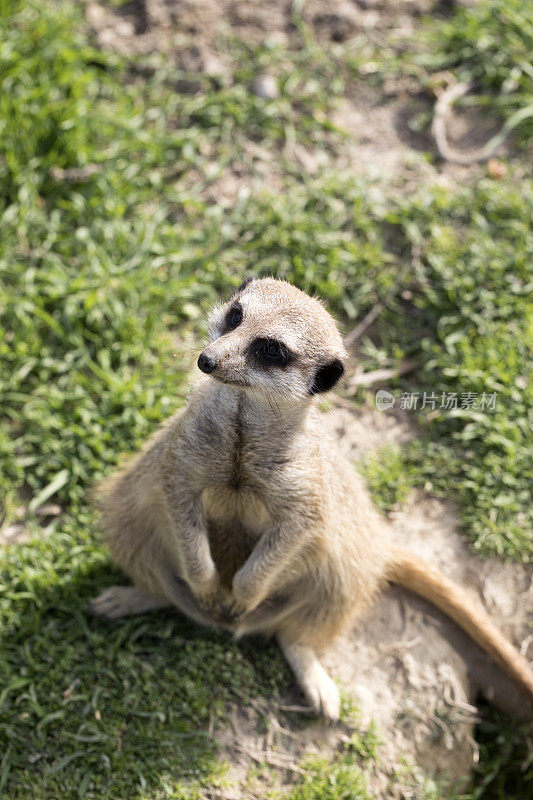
x,y
123,601
319,688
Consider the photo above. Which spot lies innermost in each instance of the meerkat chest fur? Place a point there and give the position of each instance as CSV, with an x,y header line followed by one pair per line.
x,y
242,462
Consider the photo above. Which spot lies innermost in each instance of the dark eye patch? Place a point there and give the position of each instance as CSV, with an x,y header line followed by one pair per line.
x,y
233,318
270,353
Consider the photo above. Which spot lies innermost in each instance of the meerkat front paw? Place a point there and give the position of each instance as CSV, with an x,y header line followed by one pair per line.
x,y
243,600
207,592
237,607
215,600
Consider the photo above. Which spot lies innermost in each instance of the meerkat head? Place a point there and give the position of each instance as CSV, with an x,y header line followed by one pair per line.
x,y
272,337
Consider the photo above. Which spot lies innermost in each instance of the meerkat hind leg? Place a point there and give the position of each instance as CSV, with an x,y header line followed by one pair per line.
x,y
123,601
319,688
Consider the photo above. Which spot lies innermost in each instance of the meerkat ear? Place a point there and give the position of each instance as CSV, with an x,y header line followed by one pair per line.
x,y
327,376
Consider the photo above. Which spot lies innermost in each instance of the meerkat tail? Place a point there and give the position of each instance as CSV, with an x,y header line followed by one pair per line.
x,y
423,579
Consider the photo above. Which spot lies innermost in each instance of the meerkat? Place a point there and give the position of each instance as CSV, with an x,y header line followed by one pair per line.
x,y
243,514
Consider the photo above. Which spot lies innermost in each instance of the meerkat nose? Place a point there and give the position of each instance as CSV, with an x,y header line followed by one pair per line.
x,y
206,364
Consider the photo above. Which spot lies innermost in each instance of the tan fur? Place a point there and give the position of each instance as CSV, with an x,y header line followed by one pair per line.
x,y
242,513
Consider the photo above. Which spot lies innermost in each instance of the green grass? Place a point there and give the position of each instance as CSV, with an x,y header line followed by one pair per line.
x,y
104,284
389,477
343,780
471,294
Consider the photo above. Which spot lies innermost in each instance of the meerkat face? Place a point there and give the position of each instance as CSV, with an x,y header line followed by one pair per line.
x,y
274,338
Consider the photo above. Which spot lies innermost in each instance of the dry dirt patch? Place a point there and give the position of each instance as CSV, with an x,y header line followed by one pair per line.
x,y
172,26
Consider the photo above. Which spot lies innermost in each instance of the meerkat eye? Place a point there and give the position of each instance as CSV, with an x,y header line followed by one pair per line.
x,y
233,317
269,352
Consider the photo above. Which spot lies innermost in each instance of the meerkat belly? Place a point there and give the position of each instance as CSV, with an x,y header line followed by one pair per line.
x,y
236,520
